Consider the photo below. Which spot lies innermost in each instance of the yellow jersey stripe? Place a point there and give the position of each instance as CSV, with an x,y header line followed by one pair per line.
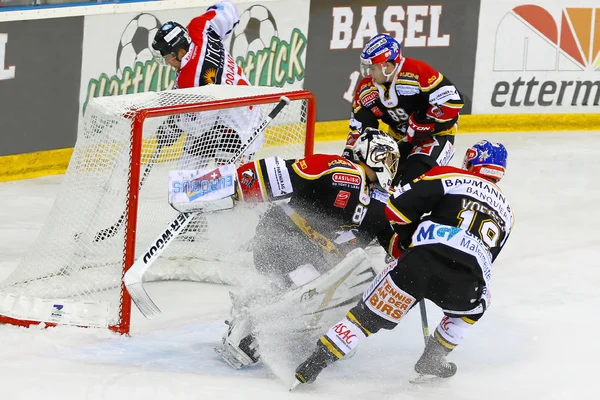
x,y
398,213
331,347
261,181
352,318
329,171
443,342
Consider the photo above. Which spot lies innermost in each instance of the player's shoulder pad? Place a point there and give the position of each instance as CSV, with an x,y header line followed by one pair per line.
x,y
366,93
427,76
442,172
318,164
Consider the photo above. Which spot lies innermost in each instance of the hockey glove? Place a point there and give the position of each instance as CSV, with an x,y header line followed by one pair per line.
x,y
168,132
418,131
348,152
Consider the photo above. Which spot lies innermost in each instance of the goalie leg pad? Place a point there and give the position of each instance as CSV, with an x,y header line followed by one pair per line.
x,y
321,302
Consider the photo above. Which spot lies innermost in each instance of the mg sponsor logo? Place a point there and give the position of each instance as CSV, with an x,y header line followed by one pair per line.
x,y
547,57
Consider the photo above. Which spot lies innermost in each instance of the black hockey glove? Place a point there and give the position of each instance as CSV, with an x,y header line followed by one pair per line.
x,y
168,132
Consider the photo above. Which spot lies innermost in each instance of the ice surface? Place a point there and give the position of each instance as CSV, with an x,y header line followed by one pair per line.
x,y
536,342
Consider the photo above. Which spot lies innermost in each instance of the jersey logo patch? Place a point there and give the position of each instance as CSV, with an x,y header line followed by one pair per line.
x,y
341,200
340,163
369,98
248,178
347,179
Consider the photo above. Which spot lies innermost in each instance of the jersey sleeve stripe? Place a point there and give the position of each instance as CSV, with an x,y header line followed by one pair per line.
x,y
327,172
261,182
399,216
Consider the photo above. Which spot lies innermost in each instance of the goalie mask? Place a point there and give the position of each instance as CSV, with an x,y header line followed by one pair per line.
x,y
380,152
170,38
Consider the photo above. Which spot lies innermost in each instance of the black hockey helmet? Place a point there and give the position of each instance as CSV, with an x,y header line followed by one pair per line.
x,y
170,38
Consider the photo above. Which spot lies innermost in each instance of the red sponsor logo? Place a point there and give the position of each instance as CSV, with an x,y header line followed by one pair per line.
x,y
344,333
377,111
342,198
445,323
369,98
346,178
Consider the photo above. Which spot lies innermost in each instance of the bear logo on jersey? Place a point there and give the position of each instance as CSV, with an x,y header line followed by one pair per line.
x,y
248,178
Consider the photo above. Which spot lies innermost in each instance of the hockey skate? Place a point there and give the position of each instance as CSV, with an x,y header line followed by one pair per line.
x,y
433,365
239,347
308,371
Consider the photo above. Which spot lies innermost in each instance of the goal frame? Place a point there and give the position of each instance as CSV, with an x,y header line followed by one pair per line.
x,y
138,118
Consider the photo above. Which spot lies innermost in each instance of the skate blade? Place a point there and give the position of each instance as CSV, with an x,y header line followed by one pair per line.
x,y
295,384
424,379
228,358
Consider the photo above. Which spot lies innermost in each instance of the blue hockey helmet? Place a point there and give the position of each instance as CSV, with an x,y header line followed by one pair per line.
x,y
379,49
487,159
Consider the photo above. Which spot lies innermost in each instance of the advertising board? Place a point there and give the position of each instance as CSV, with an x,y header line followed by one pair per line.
x,y
441,33
539,57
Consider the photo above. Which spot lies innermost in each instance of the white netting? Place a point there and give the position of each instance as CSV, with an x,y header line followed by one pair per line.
x,y
69,265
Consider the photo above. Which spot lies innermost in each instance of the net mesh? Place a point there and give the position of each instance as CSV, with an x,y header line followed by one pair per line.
x,y
79,254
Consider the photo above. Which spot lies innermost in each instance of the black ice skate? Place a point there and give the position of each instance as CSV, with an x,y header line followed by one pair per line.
x,y
433,364
308,371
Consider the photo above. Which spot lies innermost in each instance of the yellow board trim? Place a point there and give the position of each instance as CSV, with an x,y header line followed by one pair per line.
x,y
53,162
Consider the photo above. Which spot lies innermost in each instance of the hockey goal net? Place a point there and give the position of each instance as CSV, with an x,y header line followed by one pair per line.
x,y
112,201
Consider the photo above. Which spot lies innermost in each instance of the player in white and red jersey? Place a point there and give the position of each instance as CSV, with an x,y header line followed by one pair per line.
x,y
420,105
200,57
198,52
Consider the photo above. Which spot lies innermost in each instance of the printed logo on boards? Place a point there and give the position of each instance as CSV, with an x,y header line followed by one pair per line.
x,y
5,72
266,58
135,70
554,55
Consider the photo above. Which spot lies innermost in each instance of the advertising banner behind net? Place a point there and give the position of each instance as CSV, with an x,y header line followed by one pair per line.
x,y
441,33
40,64
269,44
538,57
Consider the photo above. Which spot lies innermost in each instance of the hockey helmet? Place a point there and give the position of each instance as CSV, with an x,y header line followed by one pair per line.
x,y
380,152
487,159
169,39
380,49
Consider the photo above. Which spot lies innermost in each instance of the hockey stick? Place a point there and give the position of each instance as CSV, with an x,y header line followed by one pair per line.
x,y
111,231
424,322
133,278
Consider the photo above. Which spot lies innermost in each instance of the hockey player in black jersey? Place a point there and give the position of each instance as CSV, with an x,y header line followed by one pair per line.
x,y
449,261
420,105
335,206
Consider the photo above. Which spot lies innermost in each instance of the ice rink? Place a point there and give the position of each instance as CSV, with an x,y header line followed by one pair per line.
x,y
537,341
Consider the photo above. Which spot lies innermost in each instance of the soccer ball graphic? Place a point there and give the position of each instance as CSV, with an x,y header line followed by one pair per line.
x,y
136,41
254,32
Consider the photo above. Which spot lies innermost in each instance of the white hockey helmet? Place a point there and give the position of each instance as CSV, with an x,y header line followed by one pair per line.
x,y
380,152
